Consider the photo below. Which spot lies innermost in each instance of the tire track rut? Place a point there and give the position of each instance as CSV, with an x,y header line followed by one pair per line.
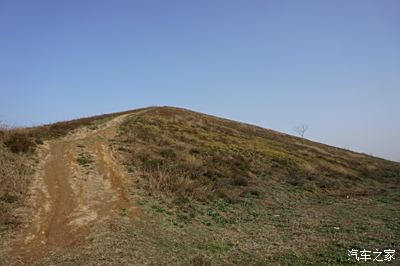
x,y
68,196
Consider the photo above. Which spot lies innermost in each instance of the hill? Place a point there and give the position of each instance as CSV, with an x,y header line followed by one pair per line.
x,y
171,186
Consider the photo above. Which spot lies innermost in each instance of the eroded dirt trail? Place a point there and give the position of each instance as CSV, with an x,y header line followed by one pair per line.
x,y
78,182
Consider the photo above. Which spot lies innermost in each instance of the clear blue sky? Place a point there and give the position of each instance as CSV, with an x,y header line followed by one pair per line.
x,y
334,65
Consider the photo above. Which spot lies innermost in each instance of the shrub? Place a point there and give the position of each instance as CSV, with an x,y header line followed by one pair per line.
x,y
19,142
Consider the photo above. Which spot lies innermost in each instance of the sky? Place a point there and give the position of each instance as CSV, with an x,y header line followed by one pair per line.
x,y
333,65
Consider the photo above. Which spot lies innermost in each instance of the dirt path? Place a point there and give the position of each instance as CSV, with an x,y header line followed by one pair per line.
x,y
78,182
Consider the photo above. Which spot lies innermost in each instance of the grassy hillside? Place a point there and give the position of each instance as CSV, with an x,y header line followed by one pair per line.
x,y
213,191
252,195
215,158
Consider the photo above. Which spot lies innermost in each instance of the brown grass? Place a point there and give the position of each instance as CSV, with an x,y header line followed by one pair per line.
x,y
19,141
279,198
14,180
171,181
17,152
218,192
173,147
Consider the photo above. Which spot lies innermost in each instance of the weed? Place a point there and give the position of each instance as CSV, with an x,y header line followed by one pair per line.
x,y
158,208
217,246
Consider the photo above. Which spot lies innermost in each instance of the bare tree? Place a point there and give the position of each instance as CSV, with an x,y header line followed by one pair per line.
x,y
301,130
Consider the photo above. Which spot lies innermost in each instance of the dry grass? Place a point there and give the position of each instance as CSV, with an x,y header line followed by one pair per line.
x,y
217,192
14,180
267,198
17,153
172,148
19,141
173,181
